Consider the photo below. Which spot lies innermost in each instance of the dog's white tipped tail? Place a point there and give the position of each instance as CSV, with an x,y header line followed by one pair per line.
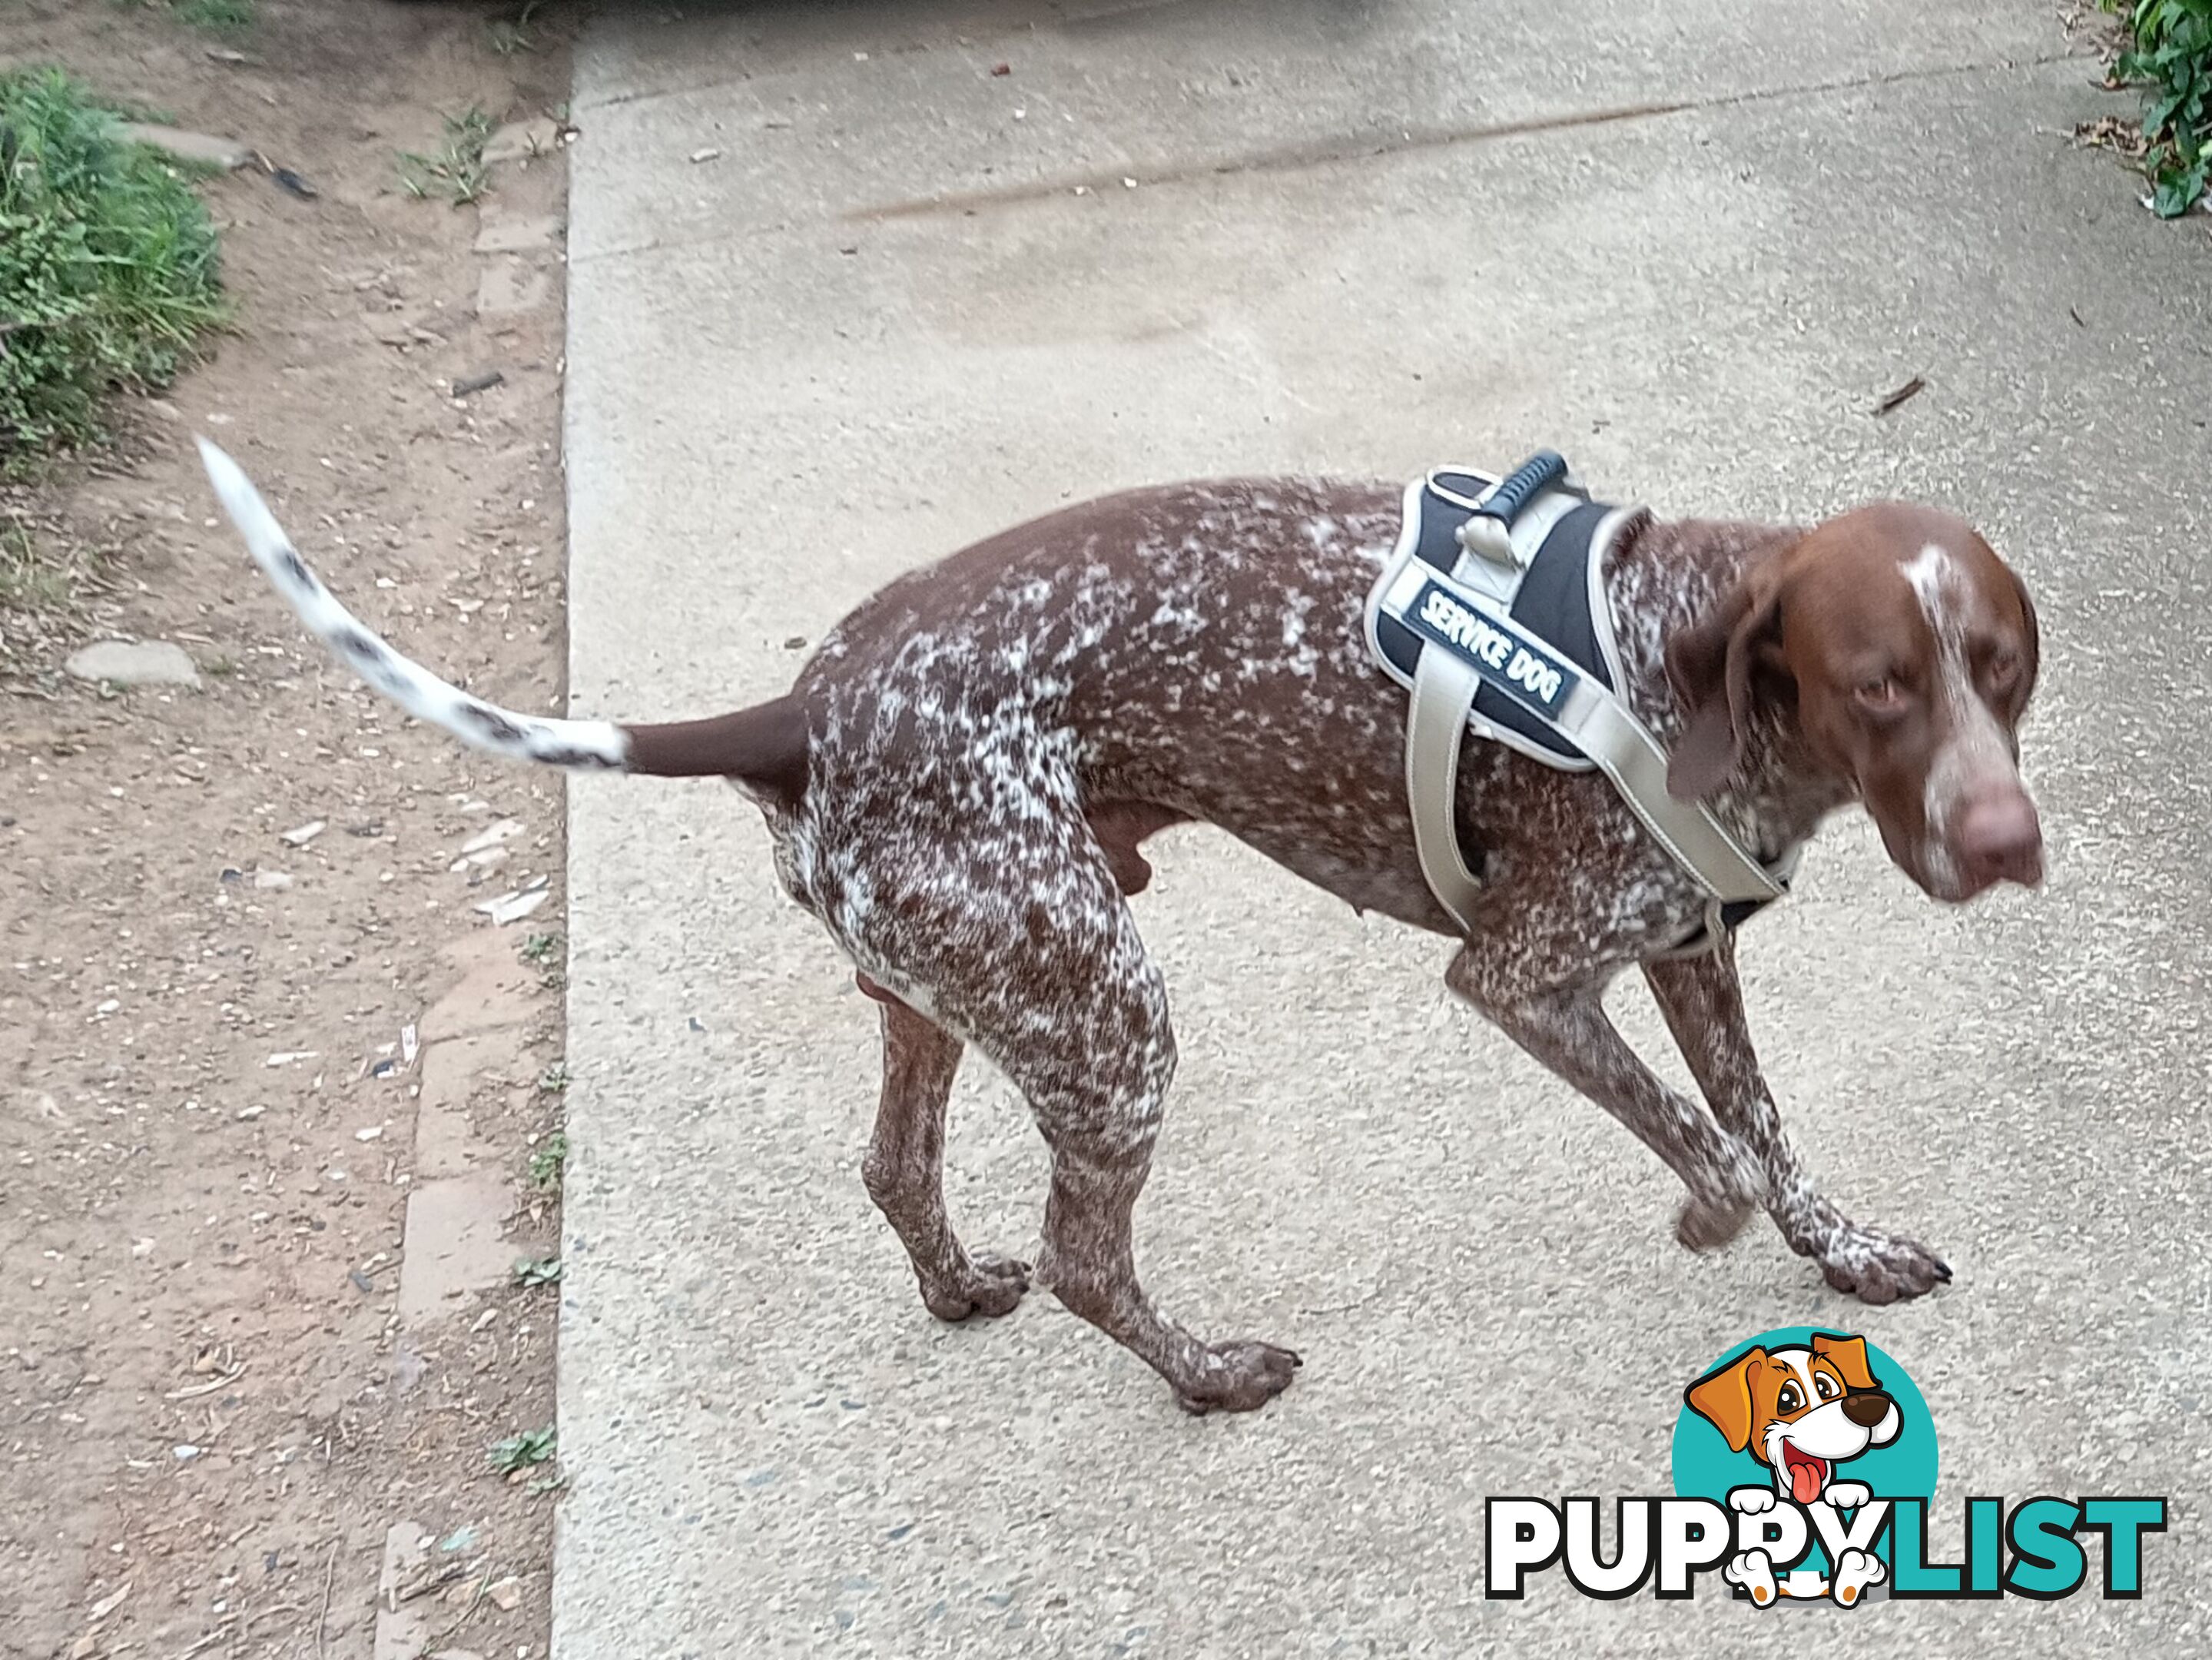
x,y
585,743
265,538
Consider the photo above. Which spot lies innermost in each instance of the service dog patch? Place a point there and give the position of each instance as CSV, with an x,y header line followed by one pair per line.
x,y
1554,602
1512,662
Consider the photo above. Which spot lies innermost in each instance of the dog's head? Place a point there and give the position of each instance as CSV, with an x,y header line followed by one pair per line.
x,y
1799,1411
1905,651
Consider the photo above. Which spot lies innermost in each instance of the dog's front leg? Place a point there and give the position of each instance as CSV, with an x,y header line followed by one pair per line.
x,y
1566,1028
1703,1002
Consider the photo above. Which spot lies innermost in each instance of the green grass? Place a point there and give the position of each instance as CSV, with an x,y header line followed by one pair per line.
x,y
216,16
28,582
509,35
2171,59
108,265
457,170
44,575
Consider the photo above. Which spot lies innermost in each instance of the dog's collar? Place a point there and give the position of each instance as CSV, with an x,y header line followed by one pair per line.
x,y
1492,611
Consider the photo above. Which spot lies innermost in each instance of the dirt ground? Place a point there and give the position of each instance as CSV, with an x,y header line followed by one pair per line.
x,y
217,1400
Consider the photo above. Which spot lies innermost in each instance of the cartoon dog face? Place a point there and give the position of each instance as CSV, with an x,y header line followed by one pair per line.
x,y
1801,1412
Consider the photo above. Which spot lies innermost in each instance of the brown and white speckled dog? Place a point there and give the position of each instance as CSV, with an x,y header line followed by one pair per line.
x,y
958,784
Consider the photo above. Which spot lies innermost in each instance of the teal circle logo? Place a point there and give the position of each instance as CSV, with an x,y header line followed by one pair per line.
x,y
1803,1411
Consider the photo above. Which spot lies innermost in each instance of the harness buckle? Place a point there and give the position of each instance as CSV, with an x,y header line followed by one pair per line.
x,y
1488,531
1490,538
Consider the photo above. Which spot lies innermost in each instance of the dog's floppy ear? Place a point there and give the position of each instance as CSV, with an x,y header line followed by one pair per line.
x,y
1849,1356
1723,1398
2034,662
1710,664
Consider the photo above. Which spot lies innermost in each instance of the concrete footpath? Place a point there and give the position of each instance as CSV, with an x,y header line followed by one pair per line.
x,y
844,297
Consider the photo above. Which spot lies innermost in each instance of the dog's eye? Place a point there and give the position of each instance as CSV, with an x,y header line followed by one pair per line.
x,y
1825,1386
1789,1400
2003,670
1880,695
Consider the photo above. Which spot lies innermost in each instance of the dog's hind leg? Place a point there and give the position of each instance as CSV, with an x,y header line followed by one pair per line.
x,y
905,1169
1016,937
1703,1001
1096,1070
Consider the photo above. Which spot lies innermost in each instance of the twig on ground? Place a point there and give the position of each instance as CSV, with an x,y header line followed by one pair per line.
x,y
323,1615
208,1388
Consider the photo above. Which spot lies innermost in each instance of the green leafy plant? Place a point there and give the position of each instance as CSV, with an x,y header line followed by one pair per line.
x,y
547,1159
458,171
108,266
544,951
2171,58
520,1451
537,1271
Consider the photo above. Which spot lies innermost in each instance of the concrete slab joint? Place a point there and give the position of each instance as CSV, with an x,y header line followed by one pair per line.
x,y
477,1037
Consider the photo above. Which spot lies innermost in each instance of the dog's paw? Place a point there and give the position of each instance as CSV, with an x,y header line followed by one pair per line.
x,y
1236,1377
1705,1225
991,1287
1855,1570
1754,1572
1880,1267
1848,1495
1752,1501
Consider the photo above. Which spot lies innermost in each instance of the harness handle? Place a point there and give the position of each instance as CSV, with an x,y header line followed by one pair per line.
x,y
1522,486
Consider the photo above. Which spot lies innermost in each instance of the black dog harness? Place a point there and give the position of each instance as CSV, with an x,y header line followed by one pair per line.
x,y
1492,611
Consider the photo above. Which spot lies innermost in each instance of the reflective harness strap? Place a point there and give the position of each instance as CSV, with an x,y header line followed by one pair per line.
x,y
1436,725
1472,640
1626,753
1486,645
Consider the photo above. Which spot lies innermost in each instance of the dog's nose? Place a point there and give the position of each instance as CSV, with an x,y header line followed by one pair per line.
x,y
1866,1407
2001,840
